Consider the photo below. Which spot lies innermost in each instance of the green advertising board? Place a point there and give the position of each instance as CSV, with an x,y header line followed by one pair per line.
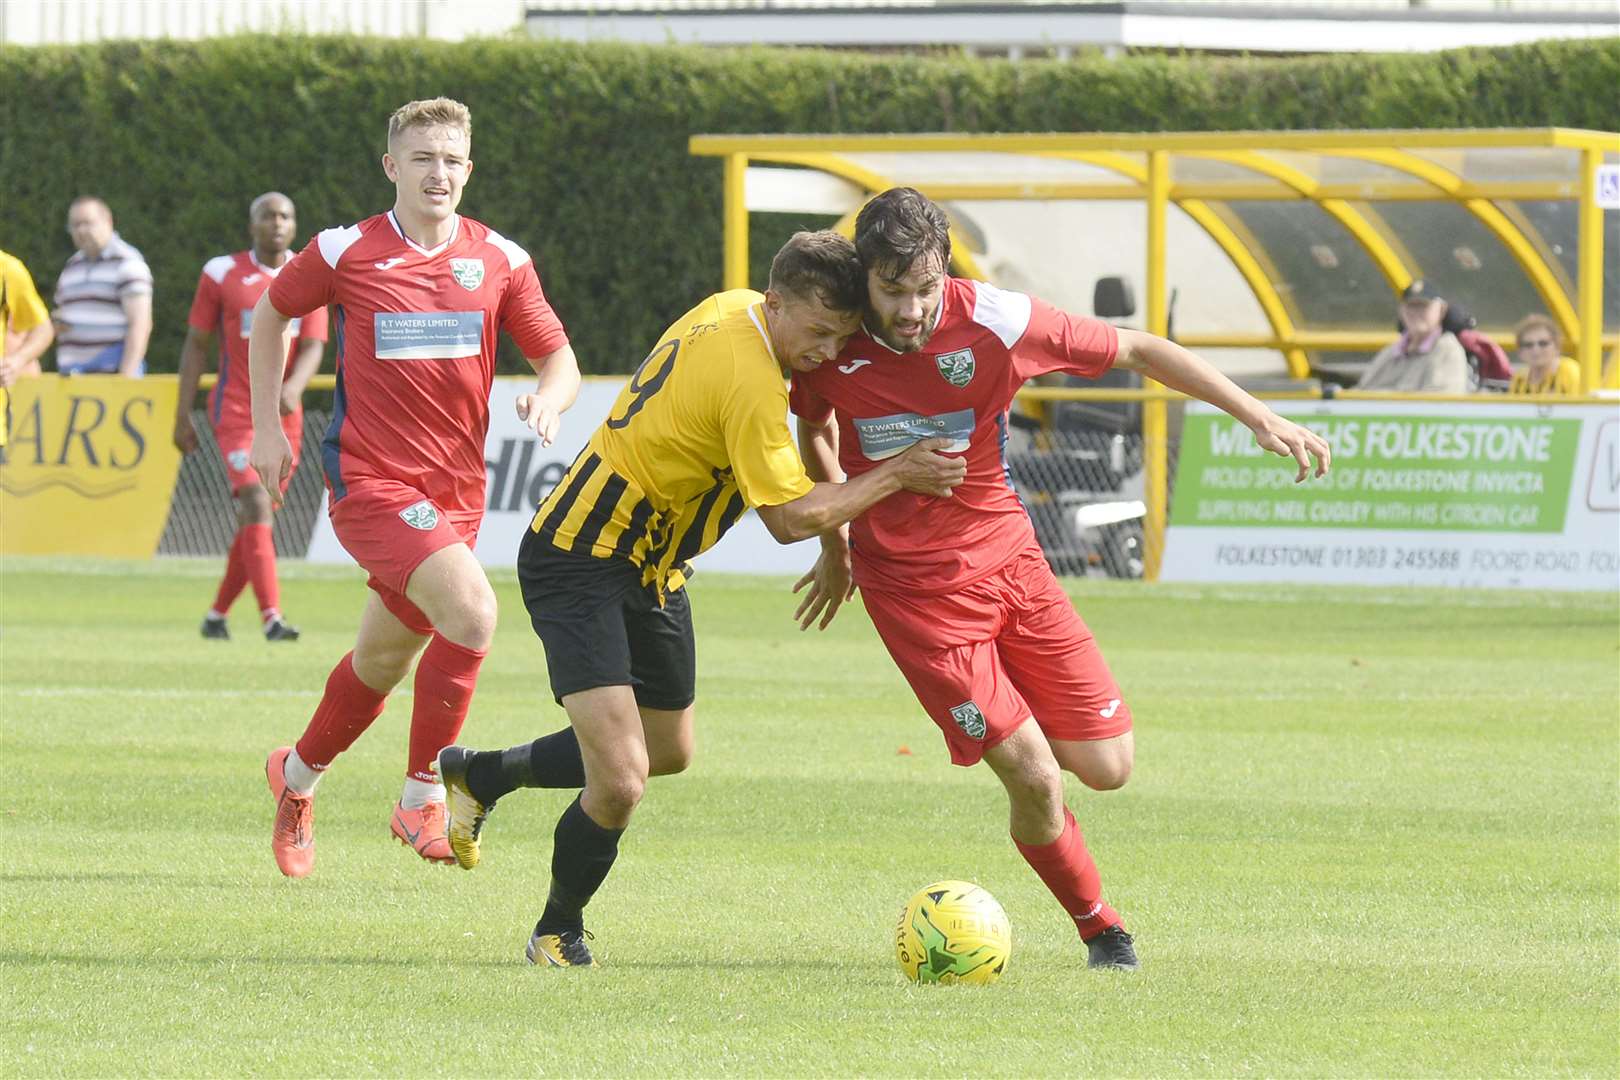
x,y
1390,470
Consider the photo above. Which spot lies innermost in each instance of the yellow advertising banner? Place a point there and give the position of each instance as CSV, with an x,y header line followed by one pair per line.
x,y
89,467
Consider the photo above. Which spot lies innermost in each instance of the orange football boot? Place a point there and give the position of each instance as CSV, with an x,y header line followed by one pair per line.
x,y
292,838
424,830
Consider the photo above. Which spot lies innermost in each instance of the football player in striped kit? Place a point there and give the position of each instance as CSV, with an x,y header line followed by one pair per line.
x,y
699,435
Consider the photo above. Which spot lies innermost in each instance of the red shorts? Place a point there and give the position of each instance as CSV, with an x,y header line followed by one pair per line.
x,y
984,659
391,528
236,439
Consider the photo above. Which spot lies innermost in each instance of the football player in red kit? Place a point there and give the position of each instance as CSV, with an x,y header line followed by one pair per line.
x,y
958,588
222,317
418,297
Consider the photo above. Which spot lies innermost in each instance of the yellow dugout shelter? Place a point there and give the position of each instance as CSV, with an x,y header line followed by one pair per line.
x,y
1289,245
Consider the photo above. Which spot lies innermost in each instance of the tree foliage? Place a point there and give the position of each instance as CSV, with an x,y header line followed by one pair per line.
x,y
581,149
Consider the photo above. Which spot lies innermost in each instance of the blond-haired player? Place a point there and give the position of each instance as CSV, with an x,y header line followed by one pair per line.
x,y
418,296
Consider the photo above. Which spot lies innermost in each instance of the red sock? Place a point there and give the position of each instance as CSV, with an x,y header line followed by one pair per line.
x,y
259,560
347,708
1068,870
445,677
230,586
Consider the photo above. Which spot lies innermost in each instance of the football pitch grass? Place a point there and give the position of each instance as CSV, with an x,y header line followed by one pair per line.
x,y
1370,833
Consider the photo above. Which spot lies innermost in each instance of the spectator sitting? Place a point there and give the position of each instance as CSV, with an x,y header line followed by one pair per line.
x,y
1546,370
1425,358
103,310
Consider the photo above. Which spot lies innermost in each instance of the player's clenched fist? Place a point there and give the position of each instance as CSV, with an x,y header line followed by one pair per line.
x,y
926,471
185,434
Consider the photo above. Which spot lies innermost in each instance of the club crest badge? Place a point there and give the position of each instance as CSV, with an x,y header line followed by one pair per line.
x,y
420,515
469,273
956,367
238,460
969,719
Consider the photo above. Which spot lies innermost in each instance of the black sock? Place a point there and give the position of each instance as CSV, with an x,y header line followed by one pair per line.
x,y
550,762
582,853
555,762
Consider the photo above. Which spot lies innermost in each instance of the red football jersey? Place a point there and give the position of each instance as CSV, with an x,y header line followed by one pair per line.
x,y
226,291
416,332
986,344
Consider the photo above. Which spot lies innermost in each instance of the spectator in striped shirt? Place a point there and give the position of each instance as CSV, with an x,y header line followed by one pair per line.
x,y
103,311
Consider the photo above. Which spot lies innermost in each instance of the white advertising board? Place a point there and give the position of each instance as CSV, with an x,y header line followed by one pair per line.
x,y
1504,495
1608,187
521,472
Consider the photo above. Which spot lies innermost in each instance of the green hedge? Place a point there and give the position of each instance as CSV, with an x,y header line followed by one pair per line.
x,y
581,150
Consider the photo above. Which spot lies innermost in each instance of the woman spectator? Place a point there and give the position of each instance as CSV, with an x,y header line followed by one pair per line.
x,y
1546,370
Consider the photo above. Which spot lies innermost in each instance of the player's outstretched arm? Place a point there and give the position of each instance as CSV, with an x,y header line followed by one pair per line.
x,y
193,355
1181,370
554,391
921,469
271,454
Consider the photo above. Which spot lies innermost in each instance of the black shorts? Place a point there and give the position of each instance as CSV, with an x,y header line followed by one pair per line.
x,y
602,627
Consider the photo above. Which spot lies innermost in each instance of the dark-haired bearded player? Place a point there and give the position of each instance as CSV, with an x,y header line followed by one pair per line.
x,y
958,588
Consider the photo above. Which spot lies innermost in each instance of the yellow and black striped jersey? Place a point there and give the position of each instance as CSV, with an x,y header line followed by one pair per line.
x,y
20,306
20,309
699,434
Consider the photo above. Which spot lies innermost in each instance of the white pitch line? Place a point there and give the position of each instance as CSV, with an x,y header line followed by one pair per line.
x,y
160,693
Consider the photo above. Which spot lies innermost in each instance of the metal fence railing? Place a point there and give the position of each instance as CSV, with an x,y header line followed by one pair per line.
x,y
1086,495
202,517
